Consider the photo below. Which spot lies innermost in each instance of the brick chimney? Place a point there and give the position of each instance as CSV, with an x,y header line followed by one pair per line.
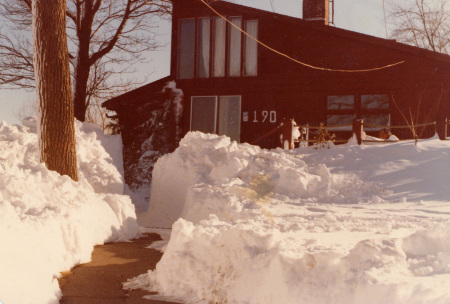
x,y
317,11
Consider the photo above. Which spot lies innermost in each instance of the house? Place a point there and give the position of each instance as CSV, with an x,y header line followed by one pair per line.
x,y
243,85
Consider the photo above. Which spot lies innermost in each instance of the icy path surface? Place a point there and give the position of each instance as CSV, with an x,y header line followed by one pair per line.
x,y
352,224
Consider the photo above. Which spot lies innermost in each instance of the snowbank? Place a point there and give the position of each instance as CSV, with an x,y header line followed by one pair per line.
x,y
48,223
299,227
210,175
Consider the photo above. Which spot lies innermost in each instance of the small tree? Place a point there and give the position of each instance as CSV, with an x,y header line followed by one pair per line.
x,y
53,87
323,139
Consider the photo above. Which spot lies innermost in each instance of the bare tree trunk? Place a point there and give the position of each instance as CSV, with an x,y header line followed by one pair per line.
x,y
109,36
83,64
82,70
53,88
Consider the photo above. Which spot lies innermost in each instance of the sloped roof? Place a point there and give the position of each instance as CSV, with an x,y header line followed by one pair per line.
x,y
146,92
332,30
138,96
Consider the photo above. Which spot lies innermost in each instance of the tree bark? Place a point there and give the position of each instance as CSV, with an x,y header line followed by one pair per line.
x,y
53,87
82,70
80,95
83,64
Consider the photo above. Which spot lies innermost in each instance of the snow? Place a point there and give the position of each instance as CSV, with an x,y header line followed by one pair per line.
x,y
48,223
348,224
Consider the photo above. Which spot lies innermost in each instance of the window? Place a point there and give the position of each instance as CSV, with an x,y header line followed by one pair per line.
x,y
186,48
219,47
378,101
230,117
221,115
340,122
342,102
251,48
234,47
204,114
342,109
376,119
207,47
203,45
375,110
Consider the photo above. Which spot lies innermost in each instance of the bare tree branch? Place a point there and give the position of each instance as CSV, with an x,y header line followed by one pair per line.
x,y
105,37
423,23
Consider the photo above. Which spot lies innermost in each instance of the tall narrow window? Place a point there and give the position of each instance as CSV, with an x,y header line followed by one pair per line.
x,y
251,49
219,47
235,44
186,48
203,47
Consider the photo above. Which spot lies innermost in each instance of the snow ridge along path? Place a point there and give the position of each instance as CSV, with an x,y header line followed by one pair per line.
x,y
350,224
48,223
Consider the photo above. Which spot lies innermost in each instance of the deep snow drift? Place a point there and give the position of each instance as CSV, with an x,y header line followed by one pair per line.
x,y
350,224
48,223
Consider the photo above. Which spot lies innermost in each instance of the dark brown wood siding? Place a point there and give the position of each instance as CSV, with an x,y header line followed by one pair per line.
x,y
296,91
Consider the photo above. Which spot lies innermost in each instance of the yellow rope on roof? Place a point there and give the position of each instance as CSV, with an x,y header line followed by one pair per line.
x,y
293,59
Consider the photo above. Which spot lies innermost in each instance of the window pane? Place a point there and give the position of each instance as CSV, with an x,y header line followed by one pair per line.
x,y
219,47
204,40
186,48
342,102
339,120
374,101
203,114
251,49
381,120
230,117
235,42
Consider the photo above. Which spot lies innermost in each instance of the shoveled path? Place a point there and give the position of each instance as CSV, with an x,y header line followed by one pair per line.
x,y
100,281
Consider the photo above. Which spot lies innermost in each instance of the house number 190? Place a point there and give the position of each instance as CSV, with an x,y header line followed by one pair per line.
x,y
270,116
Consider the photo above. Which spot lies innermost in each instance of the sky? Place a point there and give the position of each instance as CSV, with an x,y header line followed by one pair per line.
x,y
364,16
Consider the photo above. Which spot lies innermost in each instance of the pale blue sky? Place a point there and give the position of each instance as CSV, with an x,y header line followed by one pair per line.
x,y
365,16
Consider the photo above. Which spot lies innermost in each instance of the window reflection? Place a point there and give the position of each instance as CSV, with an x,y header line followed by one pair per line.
x,y
378,101
338,121
340,102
